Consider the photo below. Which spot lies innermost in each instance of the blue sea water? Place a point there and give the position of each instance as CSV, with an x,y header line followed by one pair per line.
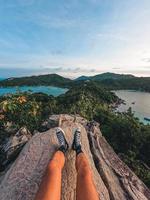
x,y
55,91
138,101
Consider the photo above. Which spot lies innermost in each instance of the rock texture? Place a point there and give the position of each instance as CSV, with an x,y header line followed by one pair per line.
x,y
120,181
10,149
113,178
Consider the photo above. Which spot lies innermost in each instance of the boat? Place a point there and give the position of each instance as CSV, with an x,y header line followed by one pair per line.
x,y
133,102
147,119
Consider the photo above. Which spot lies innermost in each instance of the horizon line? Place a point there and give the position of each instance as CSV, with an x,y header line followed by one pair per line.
x,y
73,77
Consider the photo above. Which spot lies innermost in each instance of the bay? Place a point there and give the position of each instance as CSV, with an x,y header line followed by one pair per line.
x,y
138,101
55,91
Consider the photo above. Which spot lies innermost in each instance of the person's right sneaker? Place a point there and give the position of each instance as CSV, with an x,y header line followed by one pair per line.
x,y
62,140
76,146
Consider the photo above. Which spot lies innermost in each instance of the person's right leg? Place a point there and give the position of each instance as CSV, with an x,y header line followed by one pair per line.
x,y
50,187
85,185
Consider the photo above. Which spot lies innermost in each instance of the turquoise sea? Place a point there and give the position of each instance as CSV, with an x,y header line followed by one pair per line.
x,y
138,101
55,91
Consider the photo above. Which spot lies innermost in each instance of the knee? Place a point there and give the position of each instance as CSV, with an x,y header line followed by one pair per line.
x,y
53,165
85,173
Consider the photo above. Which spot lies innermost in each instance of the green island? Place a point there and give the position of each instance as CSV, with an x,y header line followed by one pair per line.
x,y
91,99
110,80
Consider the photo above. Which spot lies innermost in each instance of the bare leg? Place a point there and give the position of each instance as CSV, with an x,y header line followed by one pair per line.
x,y
50,188
85,186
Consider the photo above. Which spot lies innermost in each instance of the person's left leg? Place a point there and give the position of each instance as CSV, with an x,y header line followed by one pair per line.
x,y
85,185
50,188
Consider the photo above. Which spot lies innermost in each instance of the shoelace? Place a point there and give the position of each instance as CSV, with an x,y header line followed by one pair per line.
x,y
60,138
77,138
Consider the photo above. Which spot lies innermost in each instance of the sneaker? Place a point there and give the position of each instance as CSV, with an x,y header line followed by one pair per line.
x,y
61,138
77,140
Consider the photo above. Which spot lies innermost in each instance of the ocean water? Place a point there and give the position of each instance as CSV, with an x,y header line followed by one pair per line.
x,y
138,101
55,91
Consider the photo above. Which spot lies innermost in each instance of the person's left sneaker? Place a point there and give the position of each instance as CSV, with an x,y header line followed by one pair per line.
x,y
62,140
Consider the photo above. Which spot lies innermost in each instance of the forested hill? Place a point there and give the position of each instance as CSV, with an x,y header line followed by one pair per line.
x,y
105,76
119,81
109,80
48,79
136,83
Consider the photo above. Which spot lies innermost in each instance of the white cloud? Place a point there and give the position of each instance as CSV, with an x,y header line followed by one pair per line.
x,y
118,41
49,22
112,36
147,60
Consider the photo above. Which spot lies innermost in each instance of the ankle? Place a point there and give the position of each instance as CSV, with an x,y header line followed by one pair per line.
x,y
63,149
78,150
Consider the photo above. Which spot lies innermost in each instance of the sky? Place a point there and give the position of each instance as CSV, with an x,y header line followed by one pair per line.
x,y
74,37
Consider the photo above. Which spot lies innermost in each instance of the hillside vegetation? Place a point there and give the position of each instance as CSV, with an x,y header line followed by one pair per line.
x,y
110,81
129,138
105,76
49,79
141,84
119,81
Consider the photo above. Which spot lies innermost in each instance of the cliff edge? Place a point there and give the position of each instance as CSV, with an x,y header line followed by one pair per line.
x,y
113,179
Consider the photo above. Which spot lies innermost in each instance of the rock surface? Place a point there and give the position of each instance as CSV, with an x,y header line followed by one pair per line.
x,y
113,179
120,181
12,146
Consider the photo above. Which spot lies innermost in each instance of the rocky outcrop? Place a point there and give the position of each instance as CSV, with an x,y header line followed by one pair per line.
x,y
12,146
113,179
120,181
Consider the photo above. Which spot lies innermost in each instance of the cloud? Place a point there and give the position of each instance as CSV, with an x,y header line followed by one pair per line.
x,y
146,60
49,22
116,68
74,36
114,36
41,17
53,69
15,72
93,70
73,70
67,71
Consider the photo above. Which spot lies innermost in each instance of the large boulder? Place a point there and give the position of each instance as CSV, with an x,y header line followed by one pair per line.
x,y
113,179
23,178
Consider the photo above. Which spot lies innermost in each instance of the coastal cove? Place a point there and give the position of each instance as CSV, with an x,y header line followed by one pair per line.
x,y
50,90
138,101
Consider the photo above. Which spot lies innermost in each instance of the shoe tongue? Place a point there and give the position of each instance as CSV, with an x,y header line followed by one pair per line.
x,y
78,131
